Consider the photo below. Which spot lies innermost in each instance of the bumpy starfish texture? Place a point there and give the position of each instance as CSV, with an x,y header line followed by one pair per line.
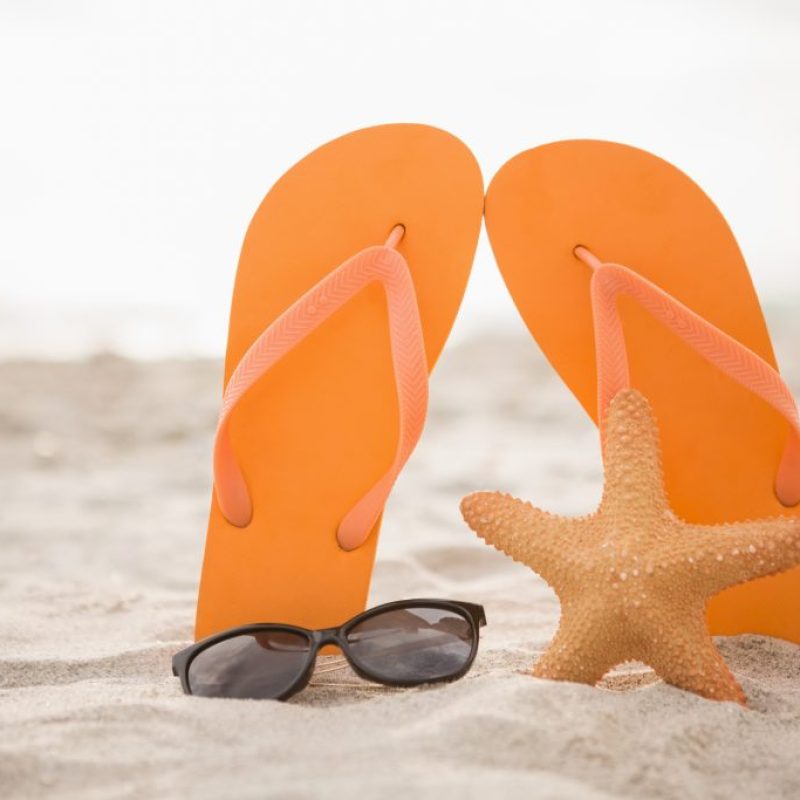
x,y
633,579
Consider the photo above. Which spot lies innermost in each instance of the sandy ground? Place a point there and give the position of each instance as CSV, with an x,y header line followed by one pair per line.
x,y
104,476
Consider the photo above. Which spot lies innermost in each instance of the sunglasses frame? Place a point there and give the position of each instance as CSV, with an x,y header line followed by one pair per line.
x,y
474,613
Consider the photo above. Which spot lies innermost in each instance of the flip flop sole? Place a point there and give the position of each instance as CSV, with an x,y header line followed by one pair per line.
x,y
721,444
321,426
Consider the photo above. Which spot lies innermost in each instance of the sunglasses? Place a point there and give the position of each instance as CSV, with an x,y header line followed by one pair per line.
x,y
405,643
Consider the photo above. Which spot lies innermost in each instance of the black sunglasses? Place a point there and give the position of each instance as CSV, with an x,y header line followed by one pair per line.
x,y
405,643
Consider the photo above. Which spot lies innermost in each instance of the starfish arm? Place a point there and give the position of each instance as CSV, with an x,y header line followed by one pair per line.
x,y
632,457
685,656
520,530
583,649
724,555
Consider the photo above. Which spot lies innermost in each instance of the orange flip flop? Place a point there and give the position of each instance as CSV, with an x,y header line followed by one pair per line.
x,y
349,280
626,273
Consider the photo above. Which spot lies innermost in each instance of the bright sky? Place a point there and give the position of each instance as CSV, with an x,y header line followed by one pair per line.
x,y
137,138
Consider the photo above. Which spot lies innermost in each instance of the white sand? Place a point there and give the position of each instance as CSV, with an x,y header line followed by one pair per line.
x,y
104,474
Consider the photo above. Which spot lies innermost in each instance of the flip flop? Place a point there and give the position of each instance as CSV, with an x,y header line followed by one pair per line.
x,y
349,280
680,321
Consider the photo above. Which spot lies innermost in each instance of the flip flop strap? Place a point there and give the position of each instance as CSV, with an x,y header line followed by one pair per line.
x,y
386,266
610,280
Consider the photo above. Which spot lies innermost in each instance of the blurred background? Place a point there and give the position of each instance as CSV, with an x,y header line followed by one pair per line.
x,y
139,137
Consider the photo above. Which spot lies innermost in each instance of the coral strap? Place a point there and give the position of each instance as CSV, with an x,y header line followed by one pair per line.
x,y
382,264
723,351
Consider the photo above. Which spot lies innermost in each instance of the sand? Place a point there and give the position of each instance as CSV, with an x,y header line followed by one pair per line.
x,y
104,476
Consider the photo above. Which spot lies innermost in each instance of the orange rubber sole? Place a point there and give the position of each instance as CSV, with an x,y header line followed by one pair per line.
x,y
721,444
321,426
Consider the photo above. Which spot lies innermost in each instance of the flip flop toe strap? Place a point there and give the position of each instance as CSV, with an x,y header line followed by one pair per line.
x,y
610,280
385,265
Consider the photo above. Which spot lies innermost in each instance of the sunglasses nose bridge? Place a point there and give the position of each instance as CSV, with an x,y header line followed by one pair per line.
x,y
327,636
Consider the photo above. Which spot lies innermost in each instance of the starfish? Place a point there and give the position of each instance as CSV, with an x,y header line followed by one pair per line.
x,y
632,578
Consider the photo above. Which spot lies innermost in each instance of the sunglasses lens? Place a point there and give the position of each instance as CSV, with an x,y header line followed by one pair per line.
x,y
261,665
413,645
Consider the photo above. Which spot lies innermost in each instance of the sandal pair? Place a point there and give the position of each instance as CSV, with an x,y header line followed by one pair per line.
x,y
349,281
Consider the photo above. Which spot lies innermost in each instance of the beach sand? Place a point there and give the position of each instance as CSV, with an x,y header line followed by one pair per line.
x,y
105,483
